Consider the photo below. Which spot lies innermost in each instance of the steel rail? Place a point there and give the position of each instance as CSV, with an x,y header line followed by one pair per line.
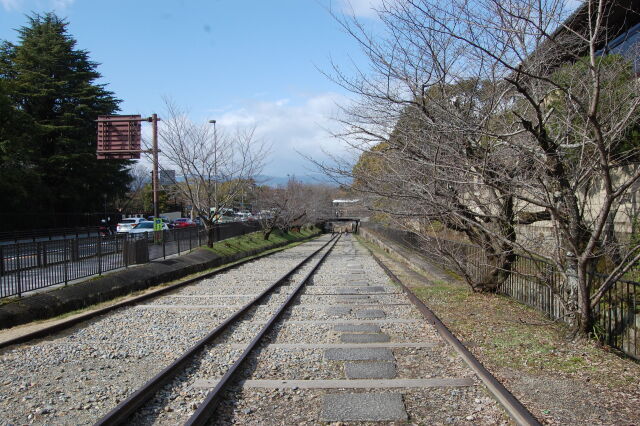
x,y
123,411
206,409
510,403
46,331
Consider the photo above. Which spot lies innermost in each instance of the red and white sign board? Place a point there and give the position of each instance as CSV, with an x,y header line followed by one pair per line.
x,y
119,137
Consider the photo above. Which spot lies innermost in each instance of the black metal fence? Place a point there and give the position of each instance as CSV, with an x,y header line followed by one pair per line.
x,y
16,236
29,266
540,285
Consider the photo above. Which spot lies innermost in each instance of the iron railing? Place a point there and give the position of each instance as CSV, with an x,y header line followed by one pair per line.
x,y
39,235
540,285
29,266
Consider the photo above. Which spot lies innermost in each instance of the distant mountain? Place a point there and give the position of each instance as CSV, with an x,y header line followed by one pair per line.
x,y
276,180
282,180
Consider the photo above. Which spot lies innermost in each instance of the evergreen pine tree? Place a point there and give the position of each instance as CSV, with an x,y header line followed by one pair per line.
x,y
52,83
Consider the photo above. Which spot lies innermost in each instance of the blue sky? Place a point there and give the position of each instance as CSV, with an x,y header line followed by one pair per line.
x,y
241,62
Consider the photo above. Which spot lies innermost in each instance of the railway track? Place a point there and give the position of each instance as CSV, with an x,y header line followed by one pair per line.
x,y
128,408
331,340
75,372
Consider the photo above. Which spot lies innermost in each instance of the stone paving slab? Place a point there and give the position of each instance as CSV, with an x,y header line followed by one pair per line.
x,y
173,307
353,297
370,314
360,290
374,407
346,383
357,328
364,338
345,346
204,296
345,321
359,354
338,311
348,298
355,284
375,289
352,304
370,370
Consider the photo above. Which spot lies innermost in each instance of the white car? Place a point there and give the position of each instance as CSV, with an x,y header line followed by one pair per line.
x,y
146,226
125,225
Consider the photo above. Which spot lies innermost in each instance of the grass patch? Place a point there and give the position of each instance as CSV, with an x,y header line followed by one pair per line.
x,y
507,335
443,292
256,241
7,300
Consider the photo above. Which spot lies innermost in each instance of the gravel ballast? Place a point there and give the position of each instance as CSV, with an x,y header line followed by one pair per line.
x,y
76,376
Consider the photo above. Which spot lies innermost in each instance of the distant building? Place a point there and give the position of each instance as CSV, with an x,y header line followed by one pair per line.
x,y
347,208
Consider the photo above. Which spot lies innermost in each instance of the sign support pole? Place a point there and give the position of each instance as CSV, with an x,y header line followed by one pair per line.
x,y
154,149
154,123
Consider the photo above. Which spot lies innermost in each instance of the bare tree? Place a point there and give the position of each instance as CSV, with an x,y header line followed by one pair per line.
x,y
210,171
134,199
490,115
294,205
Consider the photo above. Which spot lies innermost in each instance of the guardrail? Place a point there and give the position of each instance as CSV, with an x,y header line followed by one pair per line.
x,y
28,266
540,285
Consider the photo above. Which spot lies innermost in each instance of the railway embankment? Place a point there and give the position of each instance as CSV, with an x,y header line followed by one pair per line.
x,y
100,289
561,380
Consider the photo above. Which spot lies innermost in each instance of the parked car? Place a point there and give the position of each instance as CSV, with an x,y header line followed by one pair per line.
x,y
146,226
127,224
183,222
164,220
243,215
223,215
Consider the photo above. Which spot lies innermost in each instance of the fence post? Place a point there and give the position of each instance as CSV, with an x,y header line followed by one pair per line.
x,y
19,272
125,250
177,235
190,237
99,252
1,261
39,254
44,253
65,243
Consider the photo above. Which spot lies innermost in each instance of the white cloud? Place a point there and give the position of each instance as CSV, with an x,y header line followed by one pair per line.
x,y
361,8
291,126
10,5
62,4
21,5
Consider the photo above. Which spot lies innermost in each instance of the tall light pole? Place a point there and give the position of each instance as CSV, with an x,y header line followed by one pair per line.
x,y
215,165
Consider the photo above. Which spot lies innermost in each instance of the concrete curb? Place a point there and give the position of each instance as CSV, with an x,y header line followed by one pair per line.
x,y
62,300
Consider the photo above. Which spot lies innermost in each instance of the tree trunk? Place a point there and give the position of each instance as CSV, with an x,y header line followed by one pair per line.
x,y
585,319
211,236
498,269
